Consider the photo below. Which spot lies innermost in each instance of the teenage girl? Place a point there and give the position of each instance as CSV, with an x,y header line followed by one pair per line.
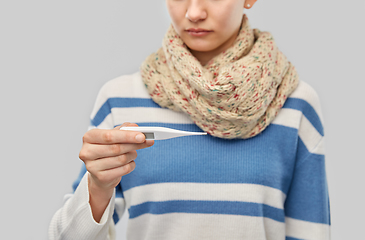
x,y
258,174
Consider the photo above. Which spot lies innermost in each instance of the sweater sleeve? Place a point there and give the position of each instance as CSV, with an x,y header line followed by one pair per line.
x,y
74,220
307,211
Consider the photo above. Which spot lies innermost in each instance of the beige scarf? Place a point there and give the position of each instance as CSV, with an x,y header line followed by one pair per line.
x,y
236,95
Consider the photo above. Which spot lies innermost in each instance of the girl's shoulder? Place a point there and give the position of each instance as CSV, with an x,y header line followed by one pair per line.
x,y
306,92
303,97
125,86
115,93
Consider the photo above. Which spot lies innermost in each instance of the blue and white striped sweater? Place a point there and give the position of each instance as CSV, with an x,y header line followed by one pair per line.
x,y
272,186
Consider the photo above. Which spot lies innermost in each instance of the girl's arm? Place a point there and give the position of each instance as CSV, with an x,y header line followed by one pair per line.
x,y
307,207
108,154
75,220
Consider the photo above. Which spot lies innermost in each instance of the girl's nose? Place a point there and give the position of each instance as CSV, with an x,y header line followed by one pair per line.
x,y
196,11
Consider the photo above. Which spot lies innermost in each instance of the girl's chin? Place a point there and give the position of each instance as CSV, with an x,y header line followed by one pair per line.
x,y
200,47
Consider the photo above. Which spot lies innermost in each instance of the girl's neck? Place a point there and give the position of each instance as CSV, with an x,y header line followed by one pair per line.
x,y
203,57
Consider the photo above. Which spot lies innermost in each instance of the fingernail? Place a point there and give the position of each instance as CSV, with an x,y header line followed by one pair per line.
x,y
150,142
140,137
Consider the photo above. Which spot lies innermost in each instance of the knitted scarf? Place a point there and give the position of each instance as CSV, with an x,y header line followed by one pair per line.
x,y
237,94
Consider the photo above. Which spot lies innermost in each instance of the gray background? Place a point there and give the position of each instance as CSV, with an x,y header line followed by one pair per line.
x,y
55,56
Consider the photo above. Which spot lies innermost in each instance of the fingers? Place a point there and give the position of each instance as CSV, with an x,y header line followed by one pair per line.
x,y
97,151
103,136
112,177
107,136
109,154
105,164
126,124
121,171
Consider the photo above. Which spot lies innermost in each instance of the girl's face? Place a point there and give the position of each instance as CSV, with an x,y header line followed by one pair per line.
x,y
207,27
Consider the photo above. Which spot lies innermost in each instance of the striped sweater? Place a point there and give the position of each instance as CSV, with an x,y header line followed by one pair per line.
x,y
272,186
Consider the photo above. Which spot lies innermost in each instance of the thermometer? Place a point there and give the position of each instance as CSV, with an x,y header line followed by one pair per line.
x,y
161,133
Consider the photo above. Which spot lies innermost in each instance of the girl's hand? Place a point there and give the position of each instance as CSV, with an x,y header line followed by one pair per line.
x,y
108,155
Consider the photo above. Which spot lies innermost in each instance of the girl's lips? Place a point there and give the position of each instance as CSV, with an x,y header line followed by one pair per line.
x,y
198,32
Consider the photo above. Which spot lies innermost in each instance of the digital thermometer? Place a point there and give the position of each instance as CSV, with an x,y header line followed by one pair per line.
x,y
161,133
